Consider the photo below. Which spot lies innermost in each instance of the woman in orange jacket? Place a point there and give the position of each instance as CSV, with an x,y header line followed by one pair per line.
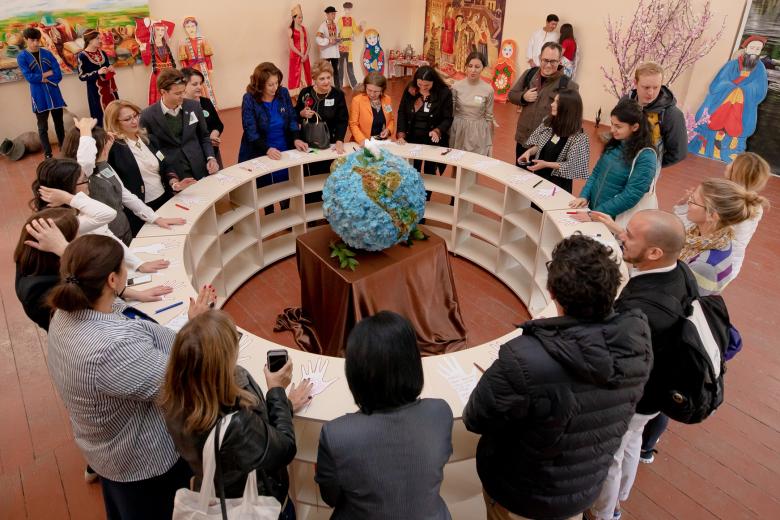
x,y
371,114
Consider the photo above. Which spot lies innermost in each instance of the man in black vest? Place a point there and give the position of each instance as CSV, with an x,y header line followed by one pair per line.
x,y
652,243
180,128
555,405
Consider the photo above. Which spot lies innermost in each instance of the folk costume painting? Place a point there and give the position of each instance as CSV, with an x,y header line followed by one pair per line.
x,y
298,41
373,54
504,71
96,71
195,52
732,103
155,50
347,30
455,28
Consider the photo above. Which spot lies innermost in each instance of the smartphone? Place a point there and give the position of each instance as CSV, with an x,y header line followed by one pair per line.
x,y
277,358
525,164
138,280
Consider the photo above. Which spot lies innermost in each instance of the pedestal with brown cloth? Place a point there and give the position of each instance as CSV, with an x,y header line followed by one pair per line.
x,y
414,281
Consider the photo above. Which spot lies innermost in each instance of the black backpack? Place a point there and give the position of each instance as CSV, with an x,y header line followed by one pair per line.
x,y
692,382
562,84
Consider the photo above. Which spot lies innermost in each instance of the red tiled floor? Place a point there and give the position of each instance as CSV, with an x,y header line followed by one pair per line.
x,y
728,467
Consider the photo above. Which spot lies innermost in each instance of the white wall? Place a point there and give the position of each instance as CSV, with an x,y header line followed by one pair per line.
x,y
242,34
246,32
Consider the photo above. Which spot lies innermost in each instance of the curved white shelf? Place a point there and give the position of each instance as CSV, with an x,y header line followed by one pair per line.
x,y
513,244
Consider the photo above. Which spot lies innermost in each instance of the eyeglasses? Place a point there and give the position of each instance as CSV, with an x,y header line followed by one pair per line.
x,y
691,201
550,62
131,118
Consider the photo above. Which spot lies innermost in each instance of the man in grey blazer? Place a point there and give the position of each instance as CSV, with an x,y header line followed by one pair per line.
x,y
180,128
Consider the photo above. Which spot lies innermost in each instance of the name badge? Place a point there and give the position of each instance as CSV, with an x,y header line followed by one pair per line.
x,y
330,102
479,99
193,118
426,107
554,139
159,155
388,108
106,174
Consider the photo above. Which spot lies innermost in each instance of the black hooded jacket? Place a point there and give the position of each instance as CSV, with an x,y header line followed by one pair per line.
x,y
553,408
672,131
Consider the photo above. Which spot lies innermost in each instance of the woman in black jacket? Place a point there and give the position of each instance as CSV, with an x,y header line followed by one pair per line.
x,y
203,382
425,115
137,159
324,101
193,90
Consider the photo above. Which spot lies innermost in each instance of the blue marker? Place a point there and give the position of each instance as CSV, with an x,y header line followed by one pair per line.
x,y
171,306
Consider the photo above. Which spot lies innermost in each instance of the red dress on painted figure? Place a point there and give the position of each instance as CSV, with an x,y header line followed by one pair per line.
x,y
300,41
153,37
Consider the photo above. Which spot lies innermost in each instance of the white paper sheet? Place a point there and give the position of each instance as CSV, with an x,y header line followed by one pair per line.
x,y
178,322
461,381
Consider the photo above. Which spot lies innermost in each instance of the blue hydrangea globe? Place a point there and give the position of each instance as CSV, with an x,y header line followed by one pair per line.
x,y
373,199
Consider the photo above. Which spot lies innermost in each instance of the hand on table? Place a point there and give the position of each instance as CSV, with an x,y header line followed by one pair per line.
x,y
153,266
579,202
300,395
153,294
166,223
178,186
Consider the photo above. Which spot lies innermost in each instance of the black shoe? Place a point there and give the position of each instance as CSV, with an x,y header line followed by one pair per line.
x,y
647,456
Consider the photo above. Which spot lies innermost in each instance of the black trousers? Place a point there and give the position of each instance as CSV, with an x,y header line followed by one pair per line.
x,y
653,431
43,128
519,150
336,77
150,499
429,168
345,64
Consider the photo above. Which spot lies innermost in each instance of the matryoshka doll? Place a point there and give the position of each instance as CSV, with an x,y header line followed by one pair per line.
x,y
504,71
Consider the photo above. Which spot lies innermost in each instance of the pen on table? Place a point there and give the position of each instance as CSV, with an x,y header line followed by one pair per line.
x,y
182,207
169,307
538,183
445,152
479,368
553,192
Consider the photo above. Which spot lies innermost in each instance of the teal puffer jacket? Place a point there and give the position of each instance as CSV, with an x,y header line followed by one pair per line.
x,y
609,188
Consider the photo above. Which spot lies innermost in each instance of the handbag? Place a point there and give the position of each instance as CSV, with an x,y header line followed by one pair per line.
x,y
316,134
203,504
648,201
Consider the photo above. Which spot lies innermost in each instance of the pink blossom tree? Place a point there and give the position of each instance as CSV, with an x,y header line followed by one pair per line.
x,y
667,32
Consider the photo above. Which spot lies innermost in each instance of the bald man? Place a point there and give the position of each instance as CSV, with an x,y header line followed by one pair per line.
x,y
652,243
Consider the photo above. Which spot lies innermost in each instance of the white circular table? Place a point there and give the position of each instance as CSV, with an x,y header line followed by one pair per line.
x,y
228,238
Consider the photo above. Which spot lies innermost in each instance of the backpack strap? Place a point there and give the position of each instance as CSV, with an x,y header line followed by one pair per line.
x,y
529,76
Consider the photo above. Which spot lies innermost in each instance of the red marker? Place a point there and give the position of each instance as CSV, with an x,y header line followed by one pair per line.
x,y
182,207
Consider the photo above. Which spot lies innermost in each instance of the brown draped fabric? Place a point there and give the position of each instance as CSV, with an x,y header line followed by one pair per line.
x,y
415,282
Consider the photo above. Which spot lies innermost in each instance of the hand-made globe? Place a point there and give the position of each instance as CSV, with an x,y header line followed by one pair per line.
x,y
373,200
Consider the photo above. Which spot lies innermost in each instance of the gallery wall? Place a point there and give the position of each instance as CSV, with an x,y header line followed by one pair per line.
x,y
245,33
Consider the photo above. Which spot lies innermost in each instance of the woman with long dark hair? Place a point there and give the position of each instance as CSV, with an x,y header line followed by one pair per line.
x,y
569,44
559,146
626,169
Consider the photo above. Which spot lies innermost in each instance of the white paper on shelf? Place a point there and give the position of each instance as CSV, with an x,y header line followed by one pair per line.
x,y
523,178
454,155
173,284
415,150
243,348
178,322
461,381
294,154
222,177
568,221
316,375
153,249
547,192
187,200
486,163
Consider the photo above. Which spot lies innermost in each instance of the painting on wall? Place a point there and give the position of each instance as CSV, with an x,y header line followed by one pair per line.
x,y
63,23
763,19
454,28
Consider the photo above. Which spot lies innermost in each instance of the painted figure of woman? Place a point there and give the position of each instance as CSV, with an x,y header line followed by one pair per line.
x,y
448,36
95,69
155,50
373,55
298,42
504,71
195,52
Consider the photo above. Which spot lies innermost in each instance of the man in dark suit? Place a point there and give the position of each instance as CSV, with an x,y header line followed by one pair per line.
x,y
180,128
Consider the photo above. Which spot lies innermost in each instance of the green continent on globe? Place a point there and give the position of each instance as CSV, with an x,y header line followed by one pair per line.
x,y
377,187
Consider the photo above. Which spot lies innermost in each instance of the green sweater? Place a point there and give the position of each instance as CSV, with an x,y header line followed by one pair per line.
x,y
609,188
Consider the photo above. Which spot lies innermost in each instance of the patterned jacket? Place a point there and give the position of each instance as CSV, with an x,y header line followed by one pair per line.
x,y
45,94
574,156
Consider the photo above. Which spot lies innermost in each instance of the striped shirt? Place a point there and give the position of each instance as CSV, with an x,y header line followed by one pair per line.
x,y
108,370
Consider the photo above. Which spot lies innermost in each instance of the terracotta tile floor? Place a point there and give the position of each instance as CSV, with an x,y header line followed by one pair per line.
x,y
728,467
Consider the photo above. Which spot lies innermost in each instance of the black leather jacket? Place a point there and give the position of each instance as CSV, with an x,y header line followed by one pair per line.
x,y
245,442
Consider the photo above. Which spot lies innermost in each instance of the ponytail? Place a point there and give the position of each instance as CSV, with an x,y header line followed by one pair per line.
x,y
84,270
731,201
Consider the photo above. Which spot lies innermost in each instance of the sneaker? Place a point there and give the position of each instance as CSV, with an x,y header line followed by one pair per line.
x,y
647,456
617,514
90,476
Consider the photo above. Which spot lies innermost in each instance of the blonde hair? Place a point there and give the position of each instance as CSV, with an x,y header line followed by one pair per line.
x,y
749,170
320,67
111,119
648,68
732,202
200,380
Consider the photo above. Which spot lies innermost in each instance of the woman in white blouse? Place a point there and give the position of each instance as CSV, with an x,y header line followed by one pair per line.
x,y
136,158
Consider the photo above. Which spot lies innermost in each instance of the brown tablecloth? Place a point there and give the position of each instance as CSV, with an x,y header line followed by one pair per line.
x,y
415,282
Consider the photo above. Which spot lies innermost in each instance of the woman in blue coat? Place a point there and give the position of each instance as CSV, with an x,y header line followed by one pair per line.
x,y
42,72
270,123
626,169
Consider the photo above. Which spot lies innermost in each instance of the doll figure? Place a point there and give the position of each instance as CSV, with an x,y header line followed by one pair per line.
x,y
504,71
153,38
373,55
298,41
195,52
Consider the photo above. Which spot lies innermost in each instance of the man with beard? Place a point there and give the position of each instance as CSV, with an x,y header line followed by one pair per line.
x,y
667,121
652,242
732,102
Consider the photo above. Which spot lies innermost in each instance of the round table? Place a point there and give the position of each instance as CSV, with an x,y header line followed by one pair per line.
x,y
228,238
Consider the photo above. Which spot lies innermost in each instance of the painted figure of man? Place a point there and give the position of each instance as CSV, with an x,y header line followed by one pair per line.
x,y
732,102
347,29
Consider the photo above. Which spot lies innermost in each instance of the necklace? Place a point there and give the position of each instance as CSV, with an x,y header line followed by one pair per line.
x,y
95,57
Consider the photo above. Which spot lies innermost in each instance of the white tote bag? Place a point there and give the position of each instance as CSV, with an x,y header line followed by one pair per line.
x,y
648,201
204,505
